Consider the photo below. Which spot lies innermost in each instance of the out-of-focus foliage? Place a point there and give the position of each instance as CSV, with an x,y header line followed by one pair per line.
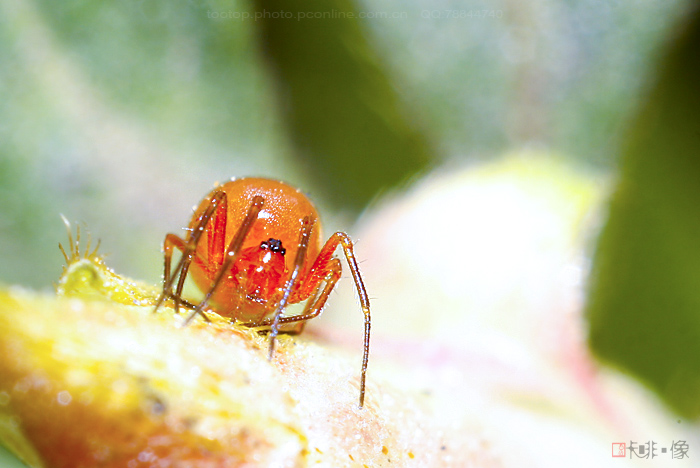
x,y
8,460
491,75
645,292
122,115
341,109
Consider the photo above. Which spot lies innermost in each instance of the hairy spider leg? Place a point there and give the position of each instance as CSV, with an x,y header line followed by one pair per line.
x,y
327,269
216,214
304,236
231,253
170,243
316,301
342,239
188,249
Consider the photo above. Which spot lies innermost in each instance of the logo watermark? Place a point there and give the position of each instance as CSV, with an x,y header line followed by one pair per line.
x,y
304,15
333,14
460,14
649,450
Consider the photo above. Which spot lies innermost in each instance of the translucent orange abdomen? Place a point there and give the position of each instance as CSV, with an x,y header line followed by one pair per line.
x,y
280,219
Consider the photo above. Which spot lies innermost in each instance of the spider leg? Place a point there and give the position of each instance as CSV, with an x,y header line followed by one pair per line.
x,y
326,268
304,237
343,240
315,305
231,252
301,324
188,249
170,243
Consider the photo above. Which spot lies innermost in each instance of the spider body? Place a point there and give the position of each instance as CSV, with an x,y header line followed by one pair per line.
x,y
267,254
253,247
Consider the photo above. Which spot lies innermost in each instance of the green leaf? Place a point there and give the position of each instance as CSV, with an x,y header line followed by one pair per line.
x,y
644,305
340,108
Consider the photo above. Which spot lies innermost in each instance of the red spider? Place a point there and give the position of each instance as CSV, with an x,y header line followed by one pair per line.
x,y
253,248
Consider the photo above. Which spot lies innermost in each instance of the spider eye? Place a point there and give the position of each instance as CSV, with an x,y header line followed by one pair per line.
x,y
273,245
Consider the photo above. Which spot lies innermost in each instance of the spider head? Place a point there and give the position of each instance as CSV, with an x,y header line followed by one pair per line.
x,y
260,270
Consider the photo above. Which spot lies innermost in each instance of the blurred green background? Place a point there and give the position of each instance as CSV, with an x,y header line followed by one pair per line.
x,y
122,115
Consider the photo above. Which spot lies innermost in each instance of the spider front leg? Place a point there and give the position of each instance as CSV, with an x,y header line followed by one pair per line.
x,y
304,238
188,249
316,301
171,243
225,259
323,262
221,259
326,269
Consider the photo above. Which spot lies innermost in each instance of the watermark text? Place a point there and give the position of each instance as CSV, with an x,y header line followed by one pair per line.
x,y
304,15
